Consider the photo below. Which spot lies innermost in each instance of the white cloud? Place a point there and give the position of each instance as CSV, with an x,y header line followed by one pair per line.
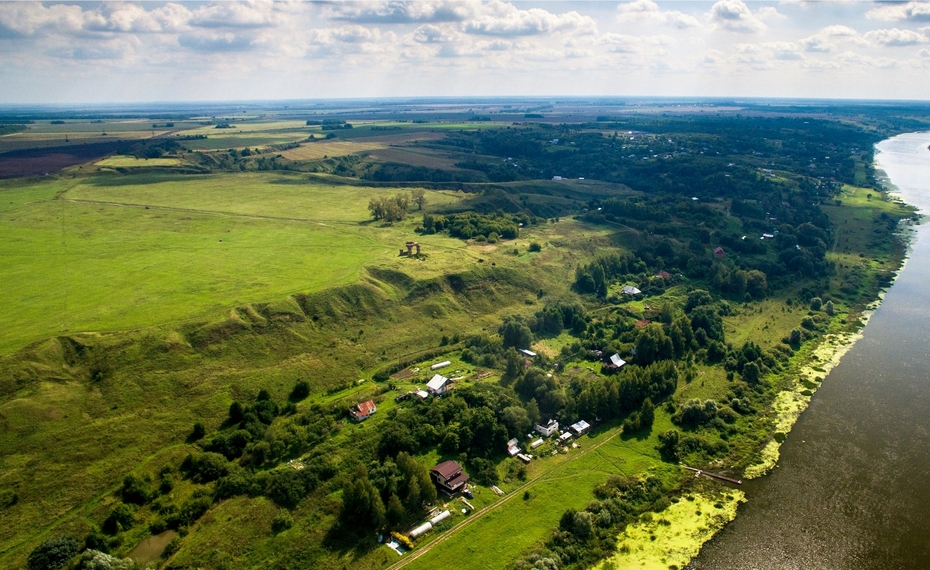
x,y
912,11
826,39
925,53
403,12
770,13
20,19
896,38
255,14
503,19
735,16
432,34
647,10
210,41
111,49
620,43
868,61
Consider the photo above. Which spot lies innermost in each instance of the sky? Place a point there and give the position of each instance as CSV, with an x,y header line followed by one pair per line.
x,y
100,52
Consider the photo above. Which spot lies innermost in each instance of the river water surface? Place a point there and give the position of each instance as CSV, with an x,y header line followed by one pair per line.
x,y
852,489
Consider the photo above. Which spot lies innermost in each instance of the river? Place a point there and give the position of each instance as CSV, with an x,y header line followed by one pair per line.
x,y
852,487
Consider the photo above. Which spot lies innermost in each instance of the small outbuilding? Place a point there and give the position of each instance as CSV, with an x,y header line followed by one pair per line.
x,y
526,352
362,411
630,290
719,253
439,365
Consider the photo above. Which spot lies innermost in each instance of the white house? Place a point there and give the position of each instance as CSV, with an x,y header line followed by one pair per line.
x,y
630,290
548,428
438,385
580,427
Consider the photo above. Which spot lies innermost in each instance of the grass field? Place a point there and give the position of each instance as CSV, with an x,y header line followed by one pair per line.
x,y
133,162
117,253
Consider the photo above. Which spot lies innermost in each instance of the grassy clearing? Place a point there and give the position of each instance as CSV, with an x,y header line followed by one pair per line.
x,y
133,162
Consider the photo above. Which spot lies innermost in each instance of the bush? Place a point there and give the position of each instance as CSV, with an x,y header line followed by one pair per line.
x,y
197,432
282,522
190,511
205,467
96,560
816,303
172,547
301,391
120,518
53,553
136,490
534,247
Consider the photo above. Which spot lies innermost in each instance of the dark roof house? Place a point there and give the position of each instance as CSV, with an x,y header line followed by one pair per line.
x,y
449,477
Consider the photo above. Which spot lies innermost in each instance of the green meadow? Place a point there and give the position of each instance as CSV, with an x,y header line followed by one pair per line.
x,y
107,253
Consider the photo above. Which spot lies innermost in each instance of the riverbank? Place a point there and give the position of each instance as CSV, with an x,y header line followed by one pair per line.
x,y
848,491
671,538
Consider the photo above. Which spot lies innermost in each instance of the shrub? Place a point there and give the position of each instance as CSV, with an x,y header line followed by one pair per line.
x,y
120,518
816,303
172,547
534,247
53,553
96,560
301,391
197,432
190,511
282,522
136,490
205,467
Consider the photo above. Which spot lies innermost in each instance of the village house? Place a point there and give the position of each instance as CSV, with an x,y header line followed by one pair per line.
x,y
613,364
580,427
547,428
438,385
630,290
719,253
449,477
362,411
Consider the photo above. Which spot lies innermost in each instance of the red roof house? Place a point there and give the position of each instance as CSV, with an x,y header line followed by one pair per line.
x,y
719,253
362,411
